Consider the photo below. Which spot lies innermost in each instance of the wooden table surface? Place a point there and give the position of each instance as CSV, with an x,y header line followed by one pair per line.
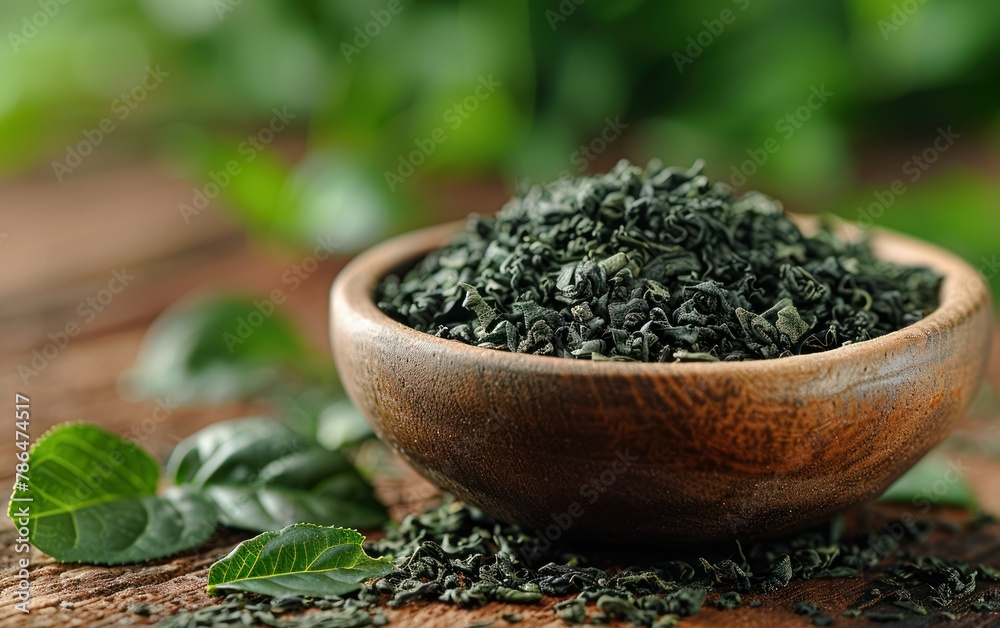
x,y
62,244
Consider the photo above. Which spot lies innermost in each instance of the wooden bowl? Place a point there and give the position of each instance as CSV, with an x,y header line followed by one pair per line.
x,y
689,452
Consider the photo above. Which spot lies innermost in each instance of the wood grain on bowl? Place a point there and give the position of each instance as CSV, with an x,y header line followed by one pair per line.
x,y
676,452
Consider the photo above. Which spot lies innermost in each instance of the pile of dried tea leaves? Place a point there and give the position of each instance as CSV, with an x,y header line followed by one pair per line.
x,y
455,554
654,265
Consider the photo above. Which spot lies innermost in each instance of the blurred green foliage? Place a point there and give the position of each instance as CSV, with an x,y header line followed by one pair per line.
x,y
221,349
372,84
958,210
935,481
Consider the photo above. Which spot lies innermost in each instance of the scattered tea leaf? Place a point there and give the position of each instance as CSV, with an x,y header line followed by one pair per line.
x,y
884,617
988,603
911,606
728,601
456,554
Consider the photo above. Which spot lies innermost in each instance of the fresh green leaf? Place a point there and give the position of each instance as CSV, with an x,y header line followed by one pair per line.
x,y
315,486
341,203
256,197
302,559
232,451
934,481
301,408
342,424
94,500
219,350
257,509
130,530
263,476
306,468
329,200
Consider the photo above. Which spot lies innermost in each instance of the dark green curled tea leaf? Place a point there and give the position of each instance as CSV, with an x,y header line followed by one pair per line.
x,y
475,302
654,265
455,554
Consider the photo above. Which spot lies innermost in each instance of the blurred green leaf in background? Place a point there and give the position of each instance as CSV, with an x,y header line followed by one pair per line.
x,y
375,89
223,349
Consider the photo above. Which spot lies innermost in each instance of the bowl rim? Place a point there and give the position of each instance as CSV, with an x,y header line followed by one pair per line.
x,y
963,295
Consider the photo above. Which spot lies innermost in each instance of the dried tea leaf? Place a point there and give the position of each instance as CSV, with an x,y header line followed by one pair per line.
x,y
654,265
